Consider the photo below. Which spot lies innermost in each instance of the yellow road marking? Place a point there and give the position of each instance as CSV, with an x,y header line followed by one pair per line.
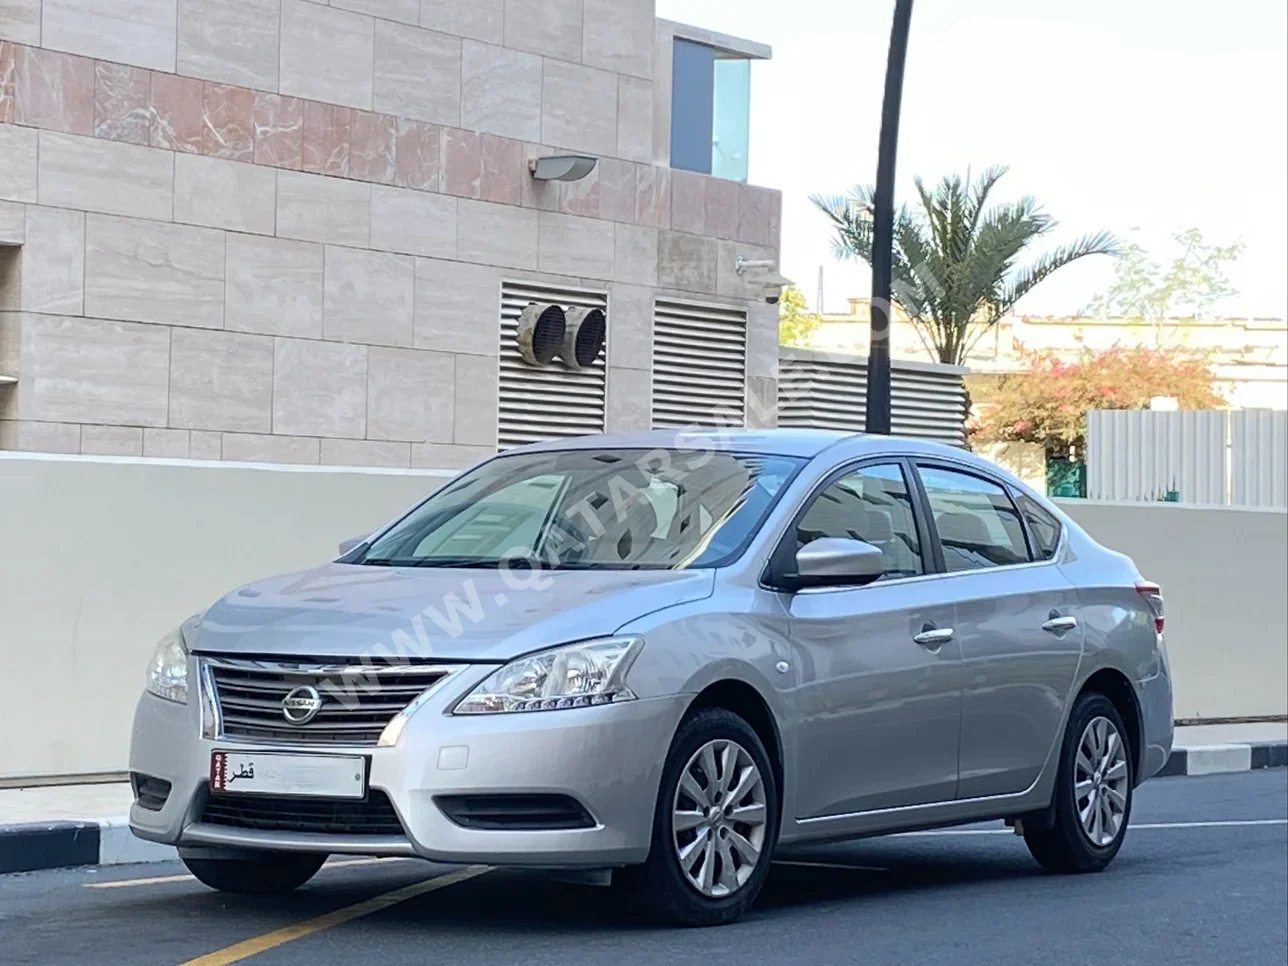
x,y
257,944
185,877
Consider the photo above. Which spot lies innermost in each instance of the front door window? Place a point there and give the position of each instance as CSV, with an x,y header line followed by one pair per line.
x,y
871,504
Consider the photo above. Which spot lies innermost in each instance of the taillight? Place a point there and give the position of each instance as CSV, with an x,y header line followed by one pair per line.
x,y
1153,596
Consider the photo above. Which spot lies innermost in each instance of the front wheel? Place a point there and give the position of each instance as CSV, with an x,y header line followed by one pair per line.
x,y
269,873
715,824
1093,792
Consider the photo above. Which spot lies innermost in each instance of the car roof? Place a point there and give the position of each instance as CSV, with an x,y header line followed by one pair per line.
x,y
806,443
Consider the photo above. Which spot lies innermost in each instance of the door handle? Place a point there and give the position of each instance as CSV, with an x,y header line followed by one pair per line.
x,y
933,638
1059,625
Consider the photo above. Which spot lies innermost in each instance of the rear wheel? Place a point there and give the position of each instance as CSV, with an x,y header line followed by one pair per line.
x,y
715,824
266,874
1093,791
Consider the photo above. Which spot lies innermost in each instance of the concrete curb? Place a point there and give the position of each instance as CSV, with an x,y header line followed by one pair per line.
x,y
108,841
56,845
1216,759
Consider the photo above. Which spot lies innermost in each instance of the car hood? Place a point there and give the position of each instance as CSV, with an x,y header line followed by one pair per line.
x,y
348,611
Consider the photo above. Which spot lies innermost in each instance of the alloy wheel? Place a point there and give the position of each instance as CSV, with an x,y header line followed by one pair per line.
x,y
719,818
1100,781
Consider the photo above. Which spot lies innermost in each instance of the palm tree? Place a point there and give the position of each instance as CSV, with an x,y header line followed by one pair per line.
x,y
953,267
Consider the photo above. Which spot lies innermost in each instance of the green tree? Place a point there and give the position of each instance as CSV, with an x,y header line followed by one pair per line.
x,y
1188,288
795,324
954,266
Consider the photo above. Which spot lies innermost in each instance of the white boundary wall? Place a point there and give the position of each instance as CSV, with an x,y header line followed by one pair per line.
x,y
1224,573
101,556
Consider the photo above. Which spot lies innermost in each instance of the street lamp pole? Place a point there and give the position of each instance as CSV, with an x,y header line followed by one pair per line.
x,y
878,383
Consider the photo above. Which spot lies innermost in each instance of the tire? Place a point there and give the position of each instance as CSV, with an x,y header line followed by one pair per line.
x,y
1068,846
661,885
270,873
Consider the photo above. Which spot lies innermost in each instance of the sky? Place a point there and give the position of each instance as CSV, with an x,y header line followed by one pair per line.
x,y
1143,117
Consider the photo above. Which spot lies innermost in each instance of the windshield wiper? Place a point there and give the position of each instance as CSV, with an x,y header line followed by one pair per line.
x,y
428,562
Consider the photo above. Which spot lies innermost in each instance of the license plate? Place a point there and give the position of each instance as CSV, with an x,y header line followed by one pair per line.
x,y
274,773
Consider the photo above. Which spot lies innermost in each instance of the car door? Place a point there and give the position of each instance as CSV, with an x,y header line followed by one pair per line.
x,y
879,713
1016,626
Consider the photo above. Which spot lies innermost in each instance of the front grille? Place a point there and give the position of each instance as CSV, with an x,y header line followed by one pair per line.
x,y
373,815
357,702
515,812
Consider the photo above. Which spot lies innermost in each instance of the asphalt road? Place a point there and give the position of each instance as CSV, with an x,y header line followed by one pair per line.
x,y
1178,893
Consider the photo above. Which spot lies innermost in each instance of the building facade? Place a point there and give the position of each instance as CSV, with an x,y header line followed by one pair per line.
x,y
300,231
1248,356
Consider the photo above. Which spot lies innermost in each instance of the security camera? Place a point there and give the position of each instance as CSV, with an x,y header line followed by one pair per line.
x,y
771,285
761,271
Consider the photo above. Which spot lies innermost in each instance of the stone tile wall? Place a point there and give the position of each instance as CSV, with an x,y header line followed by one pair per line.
x,y
276,229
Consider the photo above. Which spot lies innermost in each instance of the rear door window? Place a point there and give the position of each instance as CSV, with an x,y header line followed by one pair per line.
x,y
1043,527
978,525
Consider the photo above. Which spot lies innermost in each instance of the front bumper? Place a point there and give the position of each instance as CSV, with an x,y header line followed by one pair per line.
x,y
608,758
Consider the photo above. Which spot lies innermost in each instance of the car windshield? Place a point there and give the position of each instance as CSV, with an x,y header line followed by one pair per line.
x,y
657,509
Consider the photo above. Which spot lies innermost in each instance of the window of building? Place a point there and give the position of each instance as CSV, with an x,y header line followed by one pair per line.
x,y
870,504
9,277
978,524
730,118
9,302
710,110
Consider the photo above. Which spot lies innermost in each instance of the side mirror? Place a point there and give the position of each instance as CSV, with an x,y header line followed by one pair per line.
x,y
836,562
346,546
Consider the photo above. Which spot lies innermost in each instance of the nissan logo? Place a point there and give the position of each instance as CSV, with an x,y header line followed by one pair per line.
x,y
301,705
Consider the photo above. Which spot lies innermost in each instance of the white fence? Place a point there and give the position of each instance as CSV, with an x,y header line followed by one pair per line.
x,y
1212,457
103,556
1259,458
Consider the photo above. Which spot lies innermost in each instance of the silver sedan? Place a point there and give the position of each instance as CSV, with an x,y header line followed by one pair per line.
x,y
652,660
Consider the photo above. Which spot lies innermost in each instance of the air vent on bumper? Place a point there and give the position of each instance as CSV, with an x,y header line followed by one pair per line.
x,y
150,792
530,813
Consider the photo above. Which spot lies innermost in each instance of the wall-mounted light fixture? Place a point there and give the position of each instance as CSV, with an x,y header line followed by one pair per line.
x,y
562,167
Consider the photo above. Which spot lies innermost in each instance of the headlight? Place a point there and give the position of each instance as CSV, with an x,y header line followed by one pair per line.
x,y
168,672
575,676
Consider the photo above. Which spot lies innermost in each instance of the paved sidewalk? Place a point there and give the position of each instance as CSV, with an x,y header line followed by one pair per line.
x,y
54,825
1190,736
64,803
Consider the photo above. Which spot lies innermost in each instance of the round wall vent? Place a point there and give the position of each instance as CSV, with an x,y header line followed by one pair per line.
x,y
541,333
583,338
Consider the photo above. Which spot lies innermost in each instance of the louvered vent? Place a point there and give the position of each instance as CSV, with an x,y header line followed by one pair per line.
x,y
815,391
550,401
821,395
699,365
